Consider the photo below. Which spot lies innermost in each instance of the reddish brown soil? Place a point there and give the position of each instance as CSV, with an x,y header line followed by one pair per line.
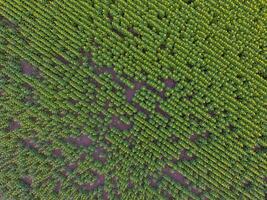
x,y
153,182
29,100
212,113
2,93
62,59
108,70
105,195
141,109
57,153
174,138
7,22
92,186
130,92
154,90
185,157
114,181
162,112
130,184
207,135
167,194
194,137
28,86
134,32
71,166
176,176
170,83
99,155
27,180
110,17
58,186
73,101
82,157
81,141
119,33
13,125
196,191
28,69
117,123
30,144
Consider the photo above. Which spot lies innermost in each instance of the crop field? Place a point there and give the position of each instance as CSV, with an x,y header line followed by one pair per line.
x,y
133,99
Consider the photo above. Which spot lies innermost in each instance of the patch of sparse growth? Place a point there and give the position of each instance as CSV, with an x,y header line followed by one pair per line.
x,y
133,99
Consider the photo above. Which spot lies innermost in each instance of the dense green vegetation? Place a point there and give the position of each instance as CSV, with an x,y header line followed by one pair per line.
x,y
131,99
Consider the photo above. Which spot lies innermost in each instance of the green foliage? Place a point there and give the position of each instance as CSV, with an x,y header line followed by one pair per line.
x,y
86,111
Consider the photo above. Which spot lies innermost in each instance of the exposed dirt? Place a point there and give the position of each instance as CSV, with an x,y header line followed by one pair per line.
x,y
81,141
134,32
170,83
117,123
28,86
176,176
30,144
231,127
207,134
130,92
27,180
212,113
62,59
99,155
247,184
119,33
92,186
105,195
130,184
153,182
194,137
57,153
174,138
58,187
28,69
185,157
82,157
73,101
7,22
2,93
196,191
167,195
162,112
13,125
259,149
155,91
108,70
141,109
71,166
114,181
110,17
